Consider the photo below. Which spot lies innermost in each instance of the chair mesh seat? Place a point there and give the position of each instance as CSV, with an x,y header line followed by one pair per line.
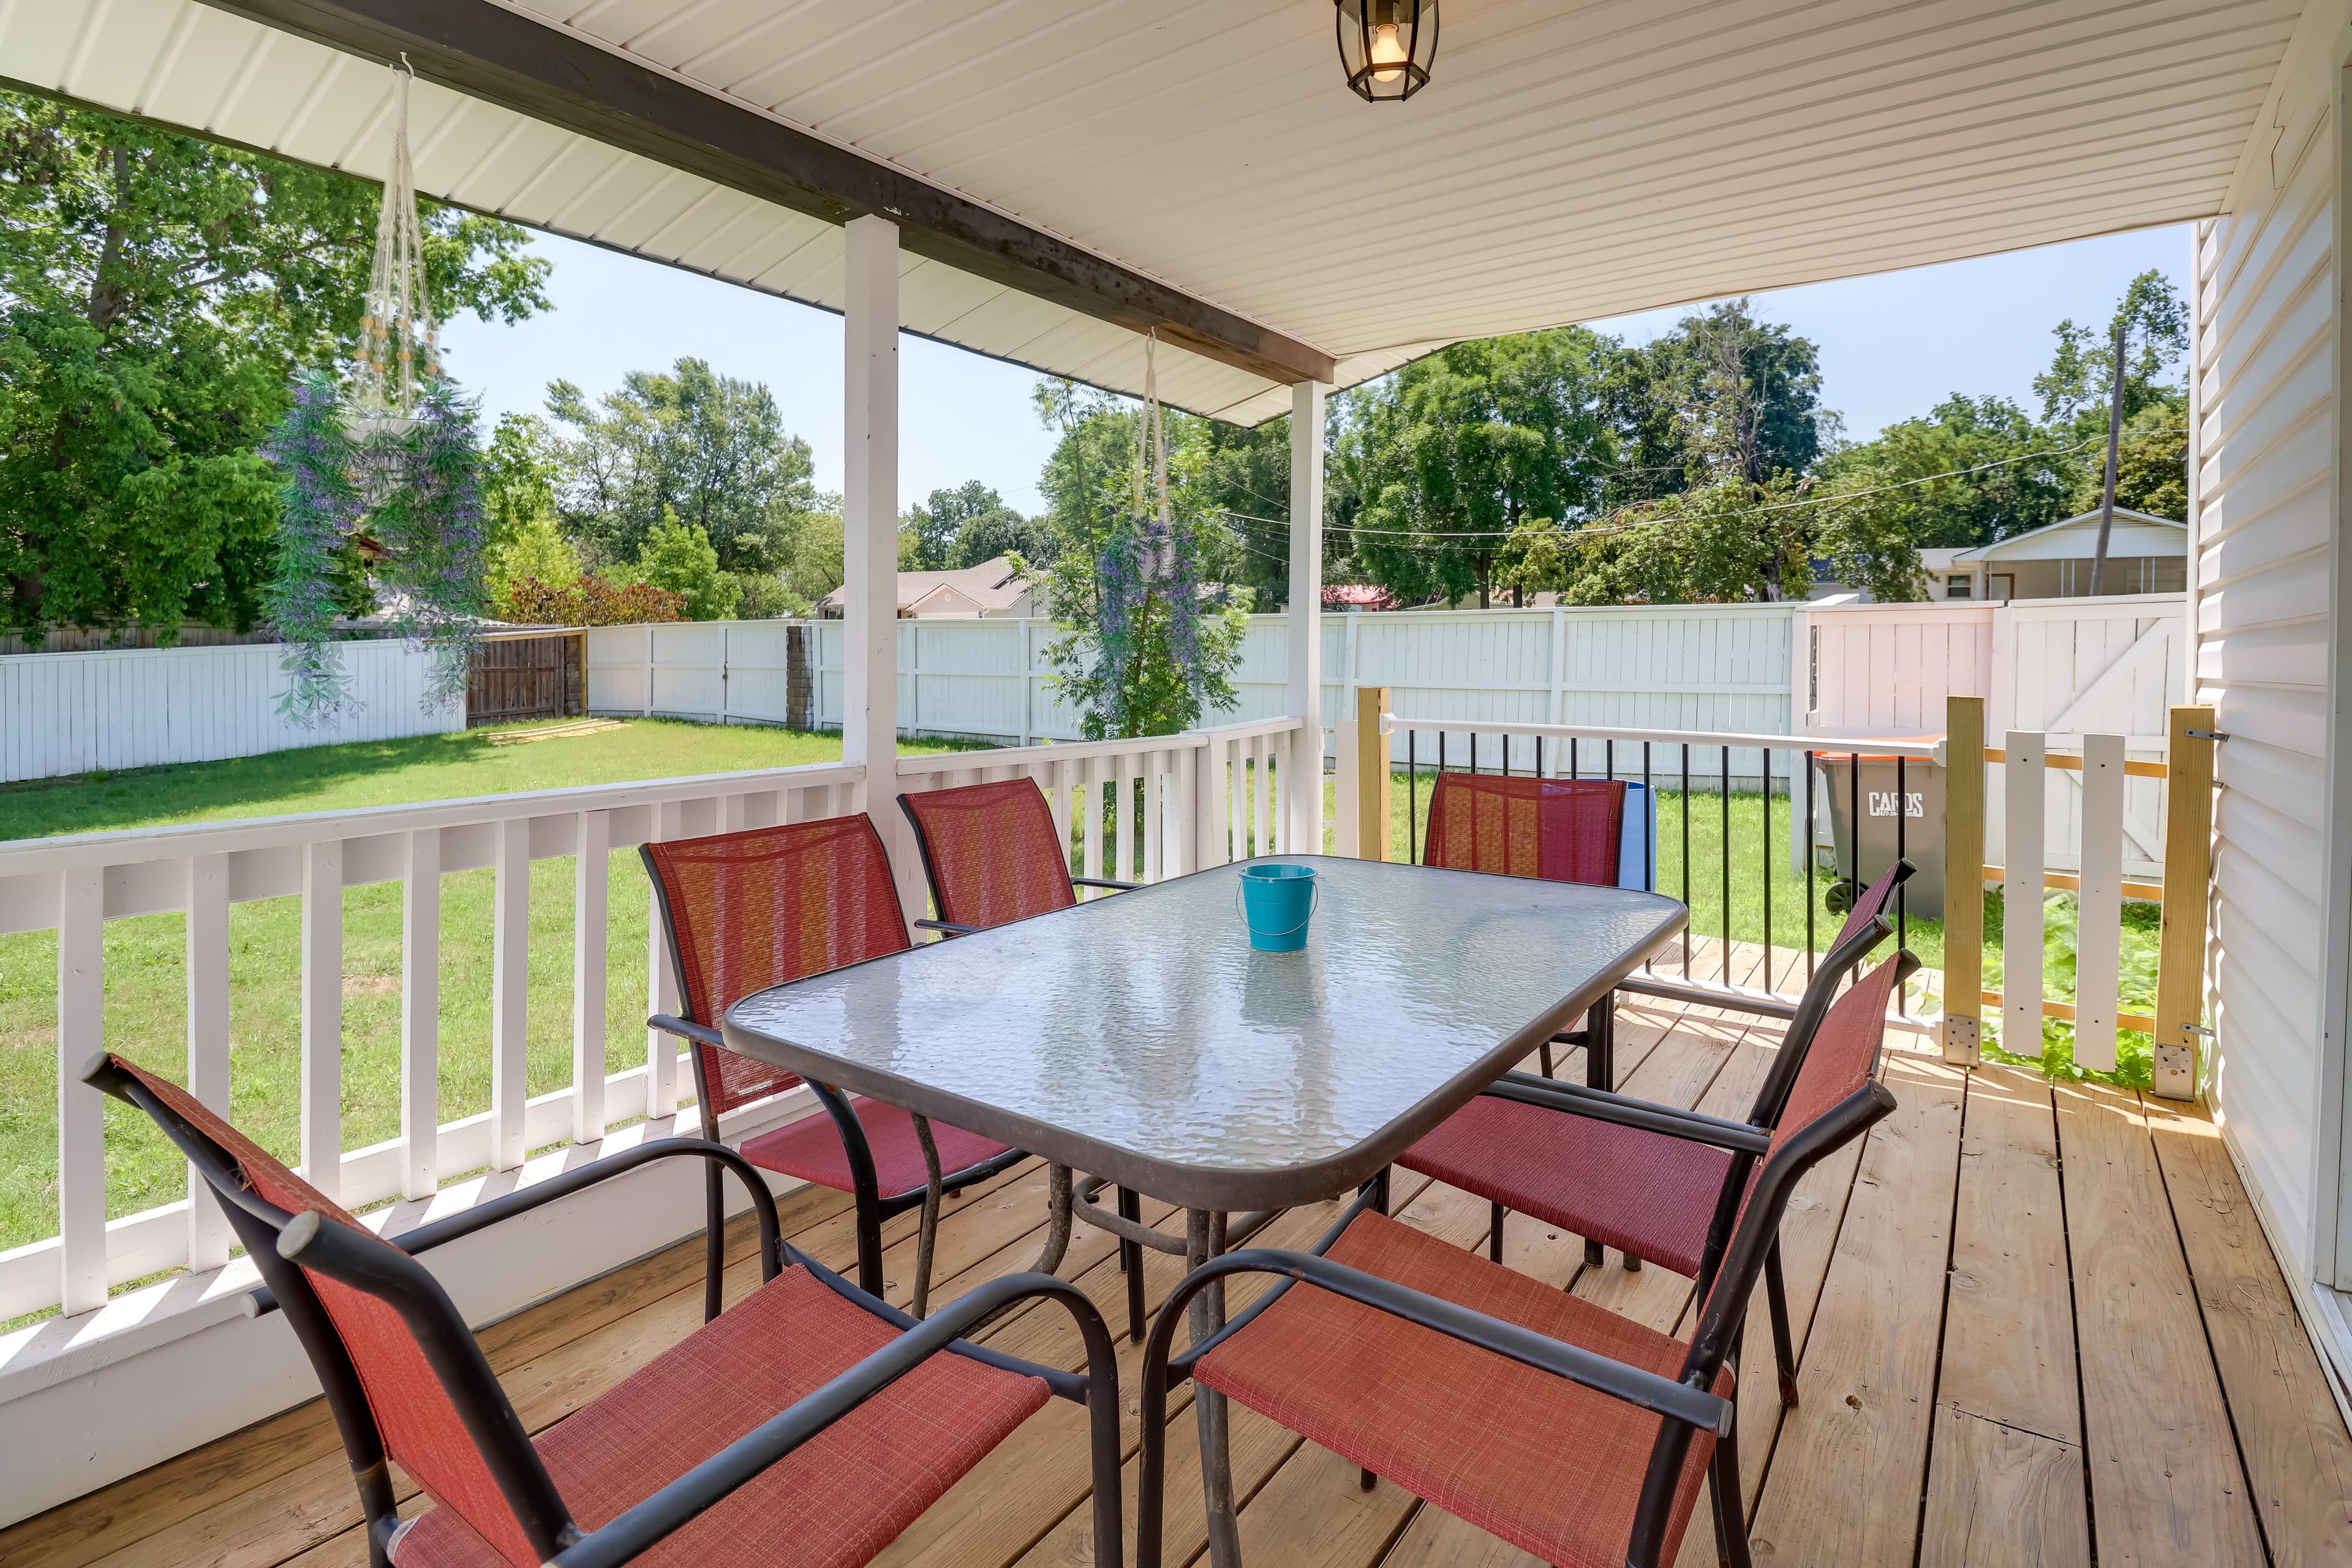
x,y
992,851
812,1149
1550,1467
833,1503
1578,1174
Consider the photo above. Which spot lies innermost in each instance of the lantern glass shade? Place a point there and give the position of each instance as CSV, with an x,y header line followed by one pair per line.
x,y
1386,47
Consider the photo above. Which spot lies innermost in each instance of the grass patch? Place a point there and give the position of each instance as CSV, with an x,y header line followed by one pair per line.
x,y
146,984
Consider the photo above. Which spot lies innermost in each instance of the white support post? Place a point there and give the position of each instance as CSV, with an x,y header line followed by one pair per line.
x,y
509,988
420,1016
2022,780
209,1238
82,1111
594,840
869,498
1305,792
322,1017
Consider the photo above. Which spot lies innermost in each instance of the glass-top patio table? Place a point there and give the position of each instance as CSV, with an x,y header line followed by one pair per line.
x,y
1141,1039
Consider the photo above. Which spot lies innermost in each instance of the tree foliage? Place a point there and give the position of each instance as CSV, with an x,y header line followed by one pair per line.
x,y
588,601
679,557
157,294
1449,454
957,528
1721,393
708,449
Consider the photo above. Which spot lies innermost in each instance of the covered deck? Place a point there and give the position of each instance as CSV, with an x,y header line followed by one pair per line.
x,y
2039,1324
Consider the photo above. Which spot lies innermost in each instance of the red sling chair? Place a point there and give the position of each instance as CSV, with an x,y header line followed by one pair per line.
x,y
1573,1434
1532,1145
809,1422
751,909
992,855
1562,830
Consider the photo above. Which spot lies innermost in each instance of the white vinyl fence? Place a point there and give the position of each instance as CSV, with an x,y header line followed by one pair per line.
x,y
1679,667
65,713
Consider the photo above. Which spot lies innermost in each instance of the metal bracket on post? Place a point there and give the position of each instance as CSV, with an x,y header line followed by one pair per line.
x,y
1962,1038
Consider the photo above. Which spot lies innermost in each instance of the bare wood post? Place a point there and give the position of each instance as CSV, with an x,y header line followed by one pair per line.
x,y
1372,774
2187,877
1964,814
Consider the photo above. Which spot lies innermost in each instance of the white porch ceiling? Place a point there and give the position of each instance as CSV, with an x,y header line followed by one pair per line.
x,y
1567,162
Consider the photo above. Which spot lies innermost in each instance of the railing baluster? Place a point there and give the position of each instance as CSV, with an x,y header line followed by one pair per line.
x,y
661,984
1094,819
1123,769
1261,751
1057,796
209,1238
1726,842
1902,848
1153,821
323,1017
590,918
81,1110
1190,786
2099,904
510,993
1764,780
1687,890
420,1015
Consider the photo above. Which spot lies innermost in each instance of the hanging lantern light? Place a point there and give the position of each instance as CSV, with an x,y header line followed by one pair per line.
x,y
1386,47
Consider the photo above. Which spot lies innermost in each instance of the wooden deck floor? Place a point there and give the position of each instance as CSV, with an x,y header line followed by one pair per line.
x,y
2039,1323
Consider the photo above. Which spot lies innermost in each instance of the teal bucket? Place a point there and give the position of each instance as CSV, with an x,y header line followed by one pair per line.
x,y
1275,902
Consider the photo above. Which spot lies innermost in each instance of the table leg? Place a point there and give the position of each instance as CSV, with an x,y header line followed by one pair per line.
x,y
1205,1234
1057,1222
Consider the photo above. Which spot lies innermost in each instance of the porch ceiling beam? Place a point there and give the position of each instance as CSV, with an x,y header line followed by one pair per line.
x,y
559,77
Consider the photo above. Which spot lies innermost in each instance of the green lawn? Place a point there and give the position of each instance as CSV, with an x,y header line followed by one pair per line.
x,y
146,984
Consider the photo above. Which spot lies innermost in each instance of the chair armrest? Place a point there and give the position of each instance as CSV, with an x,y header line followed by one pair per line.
x,y
632,1534
1104,882
1600,1105
1634,1386
684,1030
948,926
425,1238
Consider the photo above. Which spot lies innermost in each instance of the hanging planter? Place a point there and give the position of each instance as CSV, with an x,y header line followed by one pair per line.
x,y
390,458
1145,583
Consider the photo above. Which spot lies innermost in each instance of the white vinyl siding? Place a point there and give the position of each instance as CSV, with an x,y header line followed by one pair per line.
x,y
2264,358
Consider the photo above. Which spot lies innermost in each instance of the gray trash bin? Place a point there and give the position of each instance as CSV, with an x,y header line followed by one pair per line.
x,y
1922,831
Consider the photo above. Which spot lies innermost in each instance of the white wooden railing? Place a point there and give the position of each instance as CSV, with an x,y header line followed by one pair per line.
x,y
1197,799
75,885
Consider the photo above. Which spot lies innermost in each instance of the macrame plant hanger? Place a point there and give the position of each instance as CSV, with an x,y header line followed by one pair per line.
x,y
1156,545
399,348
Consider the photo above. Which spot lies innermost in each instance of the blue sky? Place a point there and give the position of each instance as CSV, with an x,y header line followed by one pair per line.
x,y
1891,346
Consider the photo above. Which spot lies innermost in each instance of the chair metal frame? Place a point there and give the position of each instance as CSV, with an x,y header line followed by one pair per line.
x,y
873,1205
283,1245
1685,1405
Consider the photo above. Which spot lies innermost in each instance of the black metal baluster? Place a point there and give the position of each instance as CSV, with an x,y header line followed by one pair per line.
x,y
1810,940
1726,844
1853,818
1686,947
1575,768
1412,801
1765,762
1901,809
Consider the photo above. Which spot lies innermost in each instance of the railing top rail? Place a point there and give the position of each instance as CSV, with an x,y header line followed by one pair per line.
x,y
1249,727
130,846
1056,751
1929,750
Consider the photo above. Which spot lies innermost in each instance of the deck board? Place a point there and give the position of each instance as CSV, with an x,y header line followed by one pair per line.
x,y
1969,1446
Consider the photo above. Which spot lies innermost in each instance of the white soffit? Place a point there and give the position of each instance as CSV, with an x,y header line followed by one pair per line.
x,y
1565,163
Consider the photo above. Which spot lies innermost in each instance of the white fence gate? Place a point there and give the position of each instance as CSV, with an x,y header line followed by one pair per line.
x,y
2059,667
65,713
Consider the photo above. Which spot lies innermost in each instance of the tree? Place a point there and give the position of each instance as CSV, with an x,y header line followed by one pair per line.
x,y
2151,467
708,448
936,527
1727,542
1142,649
679,556
812,552
1974,470
537,552
1245,476
1450,453
157,294
1722,391
522,468
1004,531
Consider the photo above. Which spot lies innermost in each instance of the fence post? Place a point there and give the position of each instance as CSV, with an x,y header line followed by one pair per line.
x,y
1372,774
1964,814
2188,876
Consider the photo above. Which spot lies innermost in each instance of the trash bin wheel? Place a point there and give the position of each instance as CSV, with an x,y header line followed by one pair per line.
x,y
1839,897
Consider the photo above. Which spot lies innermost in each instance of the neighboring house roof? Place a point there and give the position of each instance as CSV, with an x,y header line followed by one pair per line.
x,y
1357,596
1940,559
2135,533
990,588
